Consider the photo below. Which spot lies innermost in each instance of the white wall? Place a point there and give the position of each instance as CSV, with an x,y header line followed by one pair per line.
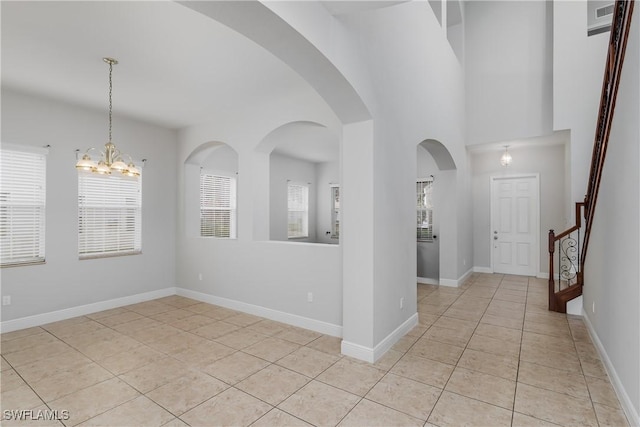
x,y
508,60
612,285
65,281
545,160
578,68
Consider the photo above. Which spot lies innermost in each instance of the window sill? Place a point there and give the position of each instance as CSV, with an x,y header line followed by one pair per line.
x,y
113,255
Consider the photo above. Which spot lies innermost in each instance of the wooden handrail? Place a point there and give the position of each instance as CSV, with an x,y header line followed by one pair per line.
x,y
620,28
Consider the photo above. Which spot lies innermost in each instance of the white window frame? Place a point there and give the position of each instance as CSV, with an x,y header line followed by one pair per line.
x,y
23,176
209,208
109,215
335,211
424,210
297,210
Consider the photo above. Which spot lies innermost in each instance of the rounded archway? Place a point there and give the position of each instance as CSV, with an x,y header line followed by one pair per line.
x,y
304,175
210,179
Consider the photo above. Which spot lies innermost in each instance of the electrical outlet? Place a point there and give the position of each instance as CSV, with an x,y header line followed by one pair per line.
x,y
593,307
6,300
402,302
199,276
309,297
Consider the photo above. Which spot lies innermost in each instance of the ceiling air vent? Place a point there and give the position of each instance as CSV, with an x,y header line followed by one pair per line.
x,y
599,16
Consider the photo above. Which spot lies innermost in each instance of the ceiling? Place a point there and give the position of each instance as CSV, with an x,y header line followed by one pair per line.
x,y
176,67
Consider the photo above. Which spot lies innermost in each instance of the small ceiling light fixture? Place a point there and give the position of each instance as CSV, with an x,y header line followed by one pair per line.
x,y
111,157
505,160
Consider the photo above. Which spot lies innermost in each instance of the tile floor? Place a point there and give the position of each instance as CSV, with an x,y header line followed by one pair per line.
x,y
486,354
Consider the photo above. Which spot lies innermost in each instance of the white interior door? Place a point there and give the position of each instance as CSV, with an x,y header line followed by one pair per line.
x,y
514,222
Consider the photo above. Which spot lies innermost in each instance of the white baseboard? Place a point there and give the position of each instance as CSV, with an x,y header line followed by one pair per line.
x,y
428,281
370,355
279,316
81,310
623,397
454,283
486,270
574,306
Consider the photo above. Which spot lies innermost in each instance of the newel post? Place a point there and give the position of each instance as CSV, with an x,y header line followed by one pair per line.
x,y
552,285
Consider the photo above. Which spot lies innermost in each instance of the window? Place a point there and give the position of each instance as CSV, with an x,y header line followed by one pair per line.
x,y
22,205
217,206
335,212
109,215
298,211
424,190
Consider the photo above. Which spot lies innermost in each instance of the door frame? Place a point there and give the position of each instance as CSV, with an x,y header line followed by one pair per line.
x,y
536,225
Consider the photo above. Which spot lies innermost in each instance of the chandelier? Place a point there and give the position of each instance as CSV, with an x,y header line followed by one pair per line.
x,y
505,160
111,157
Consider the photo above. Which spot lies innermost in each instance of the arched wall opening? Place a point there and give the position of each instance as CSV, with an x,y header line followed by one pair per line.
x,y
436,182
210,189
303,183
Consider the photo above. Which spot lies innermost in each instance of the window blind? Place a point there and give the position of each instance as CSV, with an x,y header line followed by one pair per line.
x,y
217,206
335,212
22,206
298,211
424,192
109,215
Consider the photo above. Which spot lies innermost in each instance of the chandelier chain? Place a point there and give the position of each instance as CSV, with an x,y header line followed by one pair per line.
x,y
110,96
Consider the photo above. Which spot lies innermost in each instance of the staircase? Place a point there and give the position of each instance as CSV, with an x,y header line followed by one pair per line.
x,y
567,250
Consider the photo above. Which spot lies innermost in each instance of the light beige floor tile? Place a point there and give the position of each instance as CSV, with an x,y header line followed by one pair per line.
x,y
101,350
27,342
126,361
20,397
172,316
204,354
557,380
416,331
499,332
243,319
405,395
118,318
435,310
552,359
501,366
106,313
602,392
320,404
610,417
367,413
4,365
154,375
63,330
327,344
464,314
278,418
487,388
137,412
495,346
505,322
521,420
561,344
426,320
92,401
308,361
273,384
82,341
232,407
271,349
557,330
149,308
268,327
178,301
593,369
127,328
55,364
455,324
457,337
215,330
176,422
177,343
435,350
8,336
235,367
241,338
455,410
36,353
159,332
389,359
554,407
55,386
356,378
404,343
424,370
9,380
186,392
192,322
299,335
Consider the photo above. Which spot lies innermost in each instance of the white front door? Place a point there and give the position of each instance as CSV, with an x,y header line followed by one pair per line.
x,y
514,225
